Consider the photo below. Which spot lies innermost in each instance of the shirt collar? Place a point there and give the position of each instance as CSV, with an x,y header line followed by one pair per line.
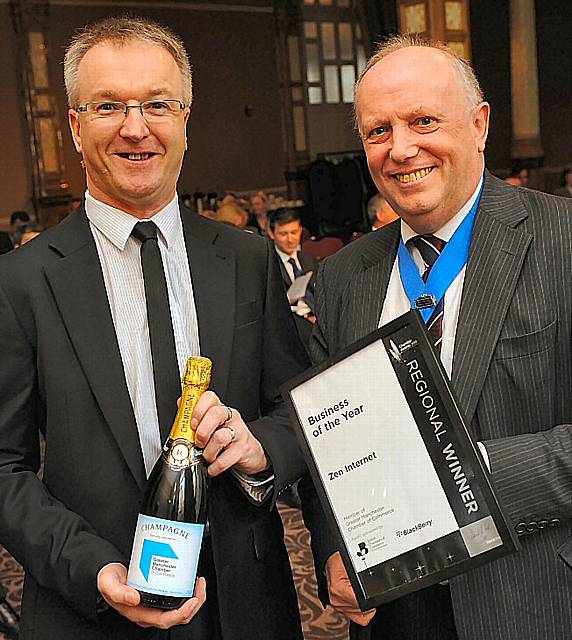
x,y
117,225
284,256
448,229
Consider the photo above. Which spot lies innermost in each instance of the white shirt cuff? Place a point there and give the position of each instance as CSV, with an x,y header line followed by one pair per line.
x,y
484,455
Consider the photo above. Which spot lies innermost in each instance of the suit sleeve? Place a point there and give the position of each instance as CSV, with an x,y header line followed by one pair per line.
x,y
526,405
283,357
324,540
56,546
533,473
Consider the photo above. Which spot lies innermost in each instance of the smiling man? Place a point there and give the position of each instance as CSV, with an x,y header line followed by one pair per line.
x,y
502,330
97,319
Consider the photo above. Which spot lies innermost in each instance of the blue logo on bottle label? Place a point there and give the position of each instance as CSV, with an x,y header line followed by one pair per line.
x,y
154,549
165,556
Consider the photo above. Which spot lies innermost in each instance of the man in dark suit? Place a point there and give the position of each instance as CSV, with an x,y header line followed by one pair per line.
x,y
502,330
79,365
285,231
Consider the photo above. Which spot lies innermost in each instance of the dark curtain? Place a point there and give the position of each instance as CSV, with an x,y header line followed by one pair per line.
x,y
378,20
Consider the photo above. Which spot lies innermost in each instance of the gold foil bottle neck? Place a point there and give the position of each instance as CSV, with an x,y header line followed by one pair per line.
x,y
197,372
196,380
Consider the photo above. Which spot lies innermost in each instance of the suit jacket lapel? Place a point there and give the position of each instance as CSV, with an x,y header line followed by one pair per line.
x,y
213,277
285,275
76,282
365,295
305,263
497,252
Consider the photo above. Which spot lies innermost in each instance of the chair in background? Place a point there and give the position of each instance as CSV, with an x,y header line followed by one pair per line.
x,y
322,248
306,235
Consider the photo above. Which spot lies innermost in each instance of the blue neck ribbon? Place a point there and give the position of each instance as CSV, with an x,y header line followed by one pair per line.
x,y
446,268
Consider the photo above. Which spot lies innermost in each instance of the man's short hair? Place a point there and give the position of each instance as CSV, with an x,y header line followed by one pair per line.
x,y
473,90
282,216
120,31
19,216
374,204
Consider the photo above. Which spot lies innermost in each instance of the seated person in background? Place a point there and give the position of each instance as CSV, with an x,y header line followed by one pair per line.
x,y
259,212
514,181
379,212
27,233
187,200
285,231
524,177
11,239
232,214
566,188
18,221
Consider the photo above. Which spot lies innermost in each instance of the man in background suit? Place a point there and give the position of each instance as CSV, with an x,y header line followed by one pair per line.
x,y
18,223
503,337
285,231
78,330
379,212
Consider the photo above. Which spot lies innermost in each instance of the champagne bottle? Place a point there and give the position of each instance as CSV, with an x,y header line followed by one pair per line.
x,y
173,515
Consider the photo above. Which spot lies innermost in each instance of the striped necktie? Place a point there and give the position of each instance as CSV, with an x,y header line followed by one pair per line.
x,y
430,249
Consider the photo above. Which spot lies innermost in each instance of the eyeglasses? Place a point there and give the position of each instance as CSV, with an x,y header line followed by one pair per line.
x,y
151,110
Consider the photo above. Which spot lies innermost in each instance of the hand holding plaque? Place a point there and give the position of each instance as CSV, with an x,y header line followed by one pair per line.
x,y
394,466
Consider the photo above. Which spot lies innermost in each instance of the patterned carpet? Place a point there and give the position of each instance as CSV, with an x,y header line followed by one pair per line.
x,y
317,623
12,579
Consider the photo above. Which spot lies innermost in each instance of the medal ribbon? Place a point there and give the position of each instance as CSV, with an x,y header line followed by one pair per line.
x,y
446,268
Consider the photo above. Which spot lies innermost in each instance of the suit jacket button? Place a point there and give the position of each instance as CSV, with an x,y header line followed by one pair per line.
x,y
520,528
554,522
542,524
532,526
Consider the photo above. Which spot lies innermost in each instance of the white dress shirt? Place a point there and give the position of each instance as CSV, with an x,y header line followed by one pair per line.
x,y
120,259
397,303
300,308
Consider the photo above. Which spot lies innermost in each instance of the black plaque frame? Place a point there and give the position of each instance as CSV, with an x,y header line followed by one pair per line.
x,y
403,338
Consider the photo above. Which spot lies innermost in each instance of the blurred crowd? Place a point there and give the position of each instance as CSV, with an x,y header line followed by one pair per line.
x,y
248,213
253,213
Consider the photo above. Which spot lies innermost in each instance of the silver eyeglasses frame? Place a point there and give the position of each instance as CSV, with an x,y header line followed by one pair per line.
x,y
145,108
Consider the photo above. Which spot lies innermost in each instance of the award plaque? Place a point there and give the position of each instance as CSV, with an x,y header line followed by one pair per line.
x,y
394,466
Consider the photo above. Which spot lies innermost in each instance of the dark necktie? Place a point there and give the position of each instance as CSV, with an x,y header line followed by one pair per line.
x,y
430,249
163,352
308,296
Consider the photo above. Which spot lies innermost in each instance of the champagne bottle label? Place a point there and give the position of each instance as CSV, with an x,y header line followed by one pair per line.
x,y
165,556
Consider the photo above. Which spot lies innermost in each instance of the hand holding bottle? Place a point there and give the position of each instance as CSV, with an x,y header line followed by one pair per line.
x,y
111,583
225,438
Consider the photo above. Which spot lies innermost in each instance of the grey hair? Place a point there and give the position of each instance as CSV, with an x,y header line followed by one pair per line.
x,y
472,87
120,31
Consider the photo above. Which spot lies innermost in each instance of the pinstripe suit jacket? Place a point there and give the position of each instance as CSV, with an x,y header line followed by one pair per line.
x,y
512,373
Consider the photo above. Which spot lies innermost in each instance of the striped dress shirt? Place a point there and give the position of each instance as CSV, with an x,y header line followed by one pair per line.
x,y
397,303
119,256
